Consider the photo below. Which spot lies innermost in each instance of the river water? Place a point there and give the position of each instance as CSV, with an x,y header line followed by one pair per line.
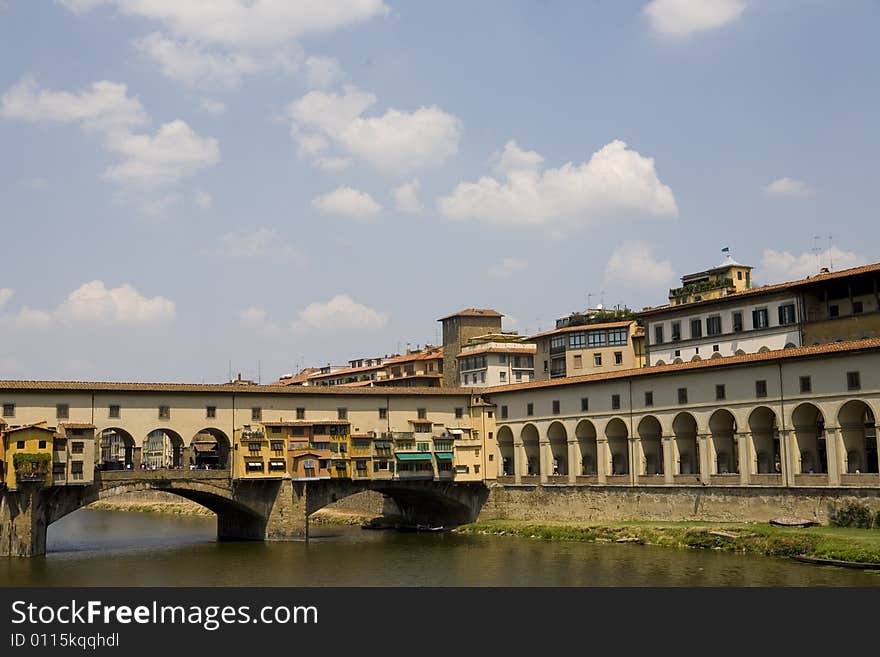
x,y
114,548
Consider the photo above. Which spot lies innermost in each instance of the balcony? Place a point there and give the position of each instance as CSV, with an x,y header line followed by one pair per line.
x,y
31,476
681,294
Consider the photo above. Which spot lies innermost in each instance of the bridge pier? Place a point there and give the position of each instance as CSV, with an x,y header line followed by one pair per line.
x,y
23,522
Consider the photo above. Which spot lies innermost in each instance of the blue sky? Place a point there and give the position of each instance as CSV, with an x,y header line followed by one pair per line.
x,y
294,183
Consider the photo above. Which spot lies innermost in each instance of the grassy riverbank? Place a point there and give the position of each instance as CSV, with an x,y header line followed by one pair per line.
x,y
182,508
861,545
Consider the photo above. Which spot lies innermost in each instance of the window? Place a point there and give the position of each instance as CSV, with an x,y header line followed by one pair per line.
x,y
737,321
739,275
720,391
256,414
77,447
482,377
300,414
617,337
275,430
421,413
76,467
682,395
254,447
618,358
545,365
59,444
341,413
761,388
676,331
834,311
577,341
557,343
858,307
853,381
713,325
19,444
658,334
585,403
615,402
806,384
62,411
596,338
555,407
502,359
459,412
649,398
383,413
277,445
164,412
42,444
696,328
760,319
58,468
530,409
8,410
504,412
502,376
786,314
677,353
578,362
113,411
210,411
597,360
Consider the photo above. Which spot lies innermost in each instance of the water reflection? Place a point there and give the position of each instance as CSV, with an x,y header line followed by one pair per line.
x,y
91,548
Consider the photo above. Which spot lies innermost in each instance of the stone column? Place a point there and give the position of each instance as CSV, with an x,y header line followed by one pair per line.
x,y
789,456
574,463
744,447
705,458
520,461
546,459
602,458
23,522
635,459
136,455
833,450
668,459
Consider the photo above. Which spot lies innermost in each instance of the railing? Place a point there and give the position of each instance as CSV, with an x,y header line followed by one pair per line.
x,y
31,475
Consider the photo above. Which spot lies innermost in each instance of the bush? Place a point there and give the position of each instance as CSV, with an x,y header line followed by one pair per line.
x,y
852,514
23,460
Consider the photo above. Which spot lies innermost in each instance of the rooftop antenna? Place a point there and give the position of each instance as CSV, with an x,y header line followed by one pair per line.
x,y
230,371
830,257
818,251
589,300
259,373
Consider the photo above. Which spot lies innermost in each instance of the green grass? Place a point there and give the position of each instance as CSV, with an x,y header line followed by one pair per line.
x,y
840,543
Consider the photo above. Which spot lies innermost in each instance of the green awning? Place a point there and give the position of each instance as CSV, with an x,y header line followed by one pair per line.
x,y
443,456
414,456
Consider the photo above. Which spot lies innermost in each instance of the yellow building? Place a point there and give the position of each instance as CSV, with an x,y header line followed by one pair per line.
x,y
29,455
2,456
727,278
257,455
590,347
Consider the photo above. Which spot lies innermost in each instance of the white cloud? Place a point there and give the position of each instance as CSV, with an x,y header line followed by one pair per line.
x,y
507,268
614,181
635,265
158,207
191,64
94,303
332,164
175,152
257,319
323,72
5,295
28,318
244,23
397,141
103,106
250,244
788,187
341,313
406,198
347,202
781,266
202,200
678,19
259,243
212,106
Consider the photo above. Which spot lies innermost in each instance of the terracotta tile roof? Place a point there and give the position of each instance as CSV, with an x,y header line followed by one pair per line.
x,y
779,354
76,425
302,423
387,383
585,327
344,371
356,384
33,425
298,378
473,312
221,388
769,289
433,354
521,348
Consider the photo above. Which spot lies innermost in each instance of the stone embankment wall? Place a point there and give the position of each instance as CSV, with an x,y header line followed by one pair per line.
x,y
610,503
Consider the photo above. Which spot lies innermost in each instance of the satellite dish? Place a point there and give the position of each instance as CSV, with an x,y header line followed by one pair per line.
x,y
599,306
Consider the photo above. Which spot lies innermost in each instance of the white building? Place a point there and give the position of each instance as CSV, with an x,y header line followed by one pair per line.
x,y
496,364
